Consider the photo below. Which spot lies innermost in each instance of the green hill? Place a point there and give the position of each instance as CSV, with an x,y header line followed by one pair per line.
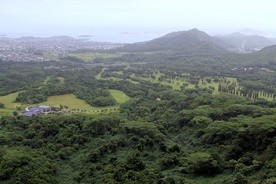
x,y
192,41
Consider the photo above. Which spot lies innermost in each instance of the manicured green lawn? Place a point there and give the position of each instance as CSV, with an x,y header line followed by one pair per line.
x,y
99,77
119,96
177,82
68,100
9,102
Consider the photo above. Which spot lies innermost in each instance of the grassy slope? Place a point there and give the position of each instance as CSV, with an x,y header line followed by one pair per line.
x,y
99,77
8,100
119,96
68,100
9,103
177,82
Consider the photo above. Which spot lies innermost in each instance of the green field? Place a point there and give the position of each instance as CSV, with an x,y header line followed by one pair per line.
x,y
99,77
9,102
89,57
174,83
119,96
177,82
69,100
73,102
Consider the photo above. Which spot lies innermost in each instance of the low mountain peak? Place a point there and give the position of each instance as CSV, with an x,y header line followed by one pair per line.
x,y
191,41
197,32
194,30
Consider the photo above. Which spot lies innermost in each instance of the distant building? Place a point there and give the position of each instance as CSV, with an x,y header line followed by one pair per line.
x,y
29,114
35,111
45,109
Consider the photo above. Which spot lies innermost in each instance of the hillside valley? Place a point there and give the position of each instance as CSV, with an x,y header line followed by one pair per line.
x,y
185,108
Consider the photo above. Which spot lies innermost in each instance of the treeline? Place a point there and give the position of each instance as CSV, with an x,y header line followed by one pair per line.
x,y
89,91
11,80
250,91
18,76
81,82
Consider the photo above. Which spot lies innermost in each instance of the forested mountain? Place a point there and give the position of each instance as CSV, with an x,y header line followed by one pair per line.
x,y
192,42
195,41
265,58
246,43
269,51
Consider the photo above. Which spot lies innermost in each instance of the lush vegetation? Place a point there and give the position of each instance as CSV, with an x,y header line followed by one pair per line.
x,y
90,57
176,140
154,117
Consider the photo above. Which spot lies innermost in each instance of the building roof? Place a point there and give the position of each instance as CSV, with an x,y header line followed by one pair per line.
x,y
29,114
44,107
33,109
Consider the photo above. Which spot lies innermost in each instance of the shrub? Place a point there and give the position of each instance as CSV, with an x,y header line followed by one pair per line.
x,y
201,163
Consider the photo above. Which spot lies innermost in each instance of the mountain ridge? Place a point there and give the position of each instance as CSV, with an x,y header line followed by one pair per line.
x,y
247,43
192,40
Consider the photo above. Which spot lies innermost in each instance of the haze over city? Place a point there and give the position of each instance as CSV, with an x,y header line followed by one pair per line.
x,y
132,21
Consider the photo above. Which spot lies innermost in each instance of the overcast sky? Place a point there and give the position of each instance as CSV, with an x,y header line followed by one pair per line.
x,y
147,17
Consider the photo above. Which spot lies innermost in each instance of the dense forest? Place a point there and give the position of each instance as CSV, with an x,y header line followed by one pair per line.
x,y
190,118
187,137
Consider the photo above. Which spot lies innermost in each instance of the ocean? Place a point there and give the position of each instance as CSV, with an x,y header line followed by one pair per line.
x,y
121,35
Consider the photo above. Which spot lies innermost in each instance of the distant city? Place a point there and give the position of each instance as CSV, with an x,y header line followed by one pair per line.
x,y
45,49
